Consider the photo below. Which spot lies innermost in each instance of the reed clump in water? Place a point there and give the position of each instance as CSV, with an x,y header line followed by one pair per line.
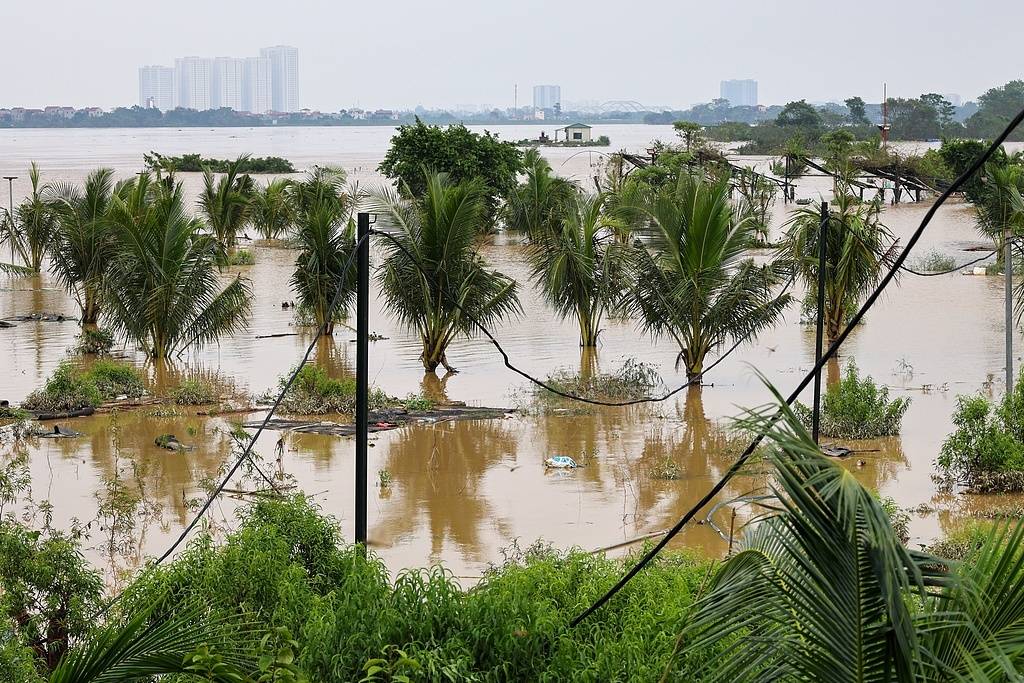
x,y
857,408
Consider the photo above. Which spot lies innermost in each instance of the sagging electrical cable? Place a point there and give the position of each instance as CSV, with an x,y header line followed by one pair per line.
x,y
832,349
246,454
990,254
544,385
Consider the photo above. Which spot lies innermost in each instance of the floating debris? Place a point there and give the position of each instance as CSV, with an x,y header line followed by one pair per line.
x,y
171,443
383,421
561,462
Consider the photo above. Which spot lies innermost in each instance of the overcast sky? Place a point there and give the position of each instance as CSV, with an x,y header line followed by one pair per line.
x,y
401,53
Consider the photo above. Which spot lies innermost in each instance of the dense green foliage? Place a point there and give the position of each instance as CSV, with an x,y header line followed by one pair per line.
x,y
986,451
286,567
437,233
194,391
857,408
195,163
455,150
94,342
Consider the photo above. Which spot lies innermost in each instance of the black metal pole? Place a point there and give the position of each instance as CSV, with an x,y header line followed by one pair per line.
x,y
362,376
819,332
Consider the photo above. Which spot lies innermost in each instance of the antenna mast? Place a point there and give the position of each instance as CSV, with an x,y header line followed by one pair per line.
x,y
885,126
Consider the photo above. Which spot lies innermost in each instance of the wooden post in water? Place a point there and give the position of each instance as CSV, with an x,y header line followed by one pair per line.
x,y
362,374
820,329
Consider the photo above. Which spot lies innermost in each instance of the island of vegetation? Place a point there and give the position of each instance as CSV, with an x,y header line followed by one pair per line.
x,y
196,163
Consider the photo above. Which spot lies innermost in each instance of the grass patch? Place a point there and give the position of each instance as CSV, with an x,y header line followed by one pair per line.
x,y
857,408
933,261
986,451
195,392
94,342
315,393
418,403
633,380
114,379
241,257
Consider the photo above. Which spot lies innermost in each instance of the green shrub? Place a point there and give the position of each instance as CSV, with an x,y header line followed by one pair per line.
x,y
285,567
934,261
195,392
635,379
94,342
963,542
65,390
418,402
315,393
114,379
856,408
986,451
241,257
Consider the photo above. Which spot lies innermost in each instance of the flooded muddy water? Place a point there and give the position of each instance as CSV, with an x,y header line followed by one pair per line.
x,y
460,491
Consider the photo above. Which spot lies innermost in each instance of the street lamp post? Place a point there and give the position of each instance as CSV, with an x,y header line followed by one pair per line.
x,y
10,215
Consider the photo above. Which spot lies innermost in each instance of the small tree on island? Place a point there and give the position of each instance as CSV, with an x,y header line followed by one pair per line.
x,y
460,153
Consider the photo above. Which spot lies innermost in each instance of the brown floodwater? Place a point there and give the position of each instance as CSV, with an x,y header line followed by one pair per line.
x,y
461,491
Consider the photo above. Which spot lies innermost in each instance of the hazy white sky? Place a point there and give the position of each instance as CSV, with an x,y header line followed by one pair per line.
x,y
400,53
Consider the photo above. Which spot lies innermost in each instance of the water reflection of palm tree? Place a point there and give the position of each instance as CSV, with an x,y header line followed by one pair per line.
x,y
438,473
434,387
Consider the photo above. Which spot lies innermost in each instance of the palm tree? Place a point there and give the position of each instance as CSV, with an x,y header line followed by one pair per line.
x,y
149,645
999,210
30,230
580,266
693,282
535,205
326,238
438,232
271,211
823,590
163,284
858,250
225,202
83,241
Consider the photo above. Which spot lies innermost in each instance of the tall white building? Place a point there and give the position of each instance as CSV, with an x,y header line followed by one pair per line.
x,y
192,76
284,77
226,83
547,96
156,87
256,85
740,93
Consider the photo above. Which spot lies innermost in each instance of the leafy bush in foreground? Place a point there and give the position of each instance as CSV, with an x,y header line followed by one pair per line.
x,y
856,408
286,567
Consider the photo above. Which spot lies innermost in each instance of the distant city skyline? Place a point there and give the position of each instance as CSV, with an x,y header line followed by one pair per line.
x,y
257,85
458,51
739,92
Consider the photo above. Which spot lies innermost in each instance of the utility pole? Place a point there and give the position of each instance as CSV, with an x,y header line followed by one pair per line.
x,y
1008,268
10,216
362,375
820,330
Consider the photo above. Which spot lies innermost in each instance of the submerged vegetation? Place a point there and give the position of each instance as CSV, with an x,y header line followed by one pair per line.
x,y
633,380
986,451
71,387
195,163
857,408
316,393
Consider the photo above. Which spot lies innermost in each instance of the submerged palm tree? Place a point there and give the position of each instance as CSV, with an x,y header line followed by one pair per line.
x,y
83,241
326,238
822,589
30,230
693,283
535,206
999,209
580,266
271,210
225,202
164,287
858,249
438,231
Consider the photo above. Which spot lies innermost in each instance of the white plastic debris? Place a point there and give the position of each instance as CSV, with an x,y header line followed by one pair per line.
x,y
561,462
